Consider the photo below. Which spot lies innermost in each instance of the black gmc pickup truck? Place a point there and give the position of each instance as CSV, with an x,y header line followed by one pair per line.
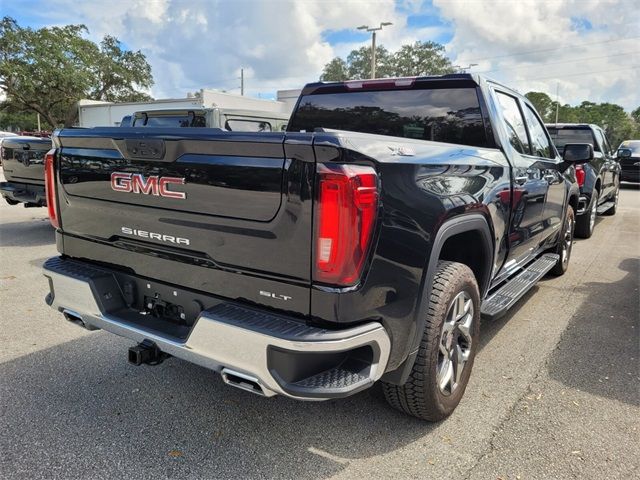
x,y
363,244
23,168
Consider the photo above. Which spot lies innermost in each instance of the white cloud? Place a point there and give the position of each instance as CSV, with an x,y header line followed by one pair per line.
x,y
203,43
586,47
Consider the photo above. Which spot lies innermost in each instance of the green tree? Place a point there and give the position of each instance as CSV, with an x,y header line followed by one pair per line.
x,y
543,104
359,63
421,58
336,70
16,120
48,70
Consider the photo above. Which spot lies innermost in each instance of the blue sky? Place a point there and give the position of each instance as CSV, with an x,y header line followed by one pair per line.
x,y
584,48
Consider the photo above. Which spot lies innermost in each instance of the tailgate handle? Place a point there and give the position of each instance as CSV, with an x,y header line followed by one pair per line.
x,y
149,149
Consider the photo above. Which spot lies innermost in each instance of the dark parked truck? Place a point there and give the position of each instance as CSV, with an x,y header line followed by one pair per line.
x,y
363,244
599,180
629,157
23,168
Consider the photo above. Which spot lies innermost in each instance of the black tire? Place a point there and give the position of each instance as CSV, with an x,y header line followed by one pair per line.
x,y
11,201
585,223
421,396
565,243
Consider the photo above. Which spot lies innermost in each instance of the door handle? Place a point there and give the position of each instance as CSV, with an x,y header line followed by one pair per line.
x,y
521,180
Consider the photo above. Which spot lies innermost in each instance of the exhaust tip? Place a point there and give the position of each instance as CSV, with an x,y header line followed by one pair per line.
x,y
242,381
76,319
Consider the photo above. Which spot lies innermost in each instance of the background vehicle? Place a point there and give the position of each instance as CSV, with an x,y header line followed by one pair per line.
x,y
7,134
599,179
361,245
23,167
228,119
2,136
93,113
629,158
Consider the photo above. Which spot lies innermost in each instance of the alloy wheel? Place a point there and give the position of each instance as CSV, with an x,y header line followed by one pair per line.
x,y
567,241
455,343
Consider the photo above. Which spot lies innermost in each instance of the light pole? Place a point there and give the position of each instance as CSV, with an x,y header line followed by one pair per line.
x,y
468,67
373,31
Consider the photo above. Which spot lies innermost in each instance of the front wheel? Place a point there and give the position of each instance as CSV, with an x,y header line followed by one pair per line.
x,y
447,350
565,243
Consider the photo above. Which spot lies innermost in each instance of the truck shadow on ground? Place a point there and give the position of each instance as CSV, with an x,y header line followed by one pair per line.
x,y
33,233
82,396
178,419
598,352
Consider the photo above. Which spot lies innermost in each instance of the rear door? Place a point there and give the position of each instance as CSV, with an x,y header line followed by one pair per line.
x,y
546,159
529,185
233,206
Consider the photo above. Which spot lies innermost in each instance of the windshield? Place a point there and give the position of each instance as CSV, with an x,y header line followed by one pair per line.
x,y
562,136
633,146
450,115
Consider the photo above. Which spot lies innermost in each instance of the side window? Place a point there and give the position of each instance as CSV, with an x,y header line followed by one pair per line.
x,y
607,145
540,144
599,143
514,122
238,125
602,140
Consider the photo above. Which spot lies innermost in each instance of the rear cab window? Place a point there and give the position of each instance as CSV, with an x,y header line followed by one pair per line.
x,y
562,136
449,115
242,125
169,121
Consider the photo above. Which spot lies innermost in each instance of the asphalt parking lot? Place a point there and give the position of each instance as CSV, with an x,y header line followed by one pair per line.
x,y
554,393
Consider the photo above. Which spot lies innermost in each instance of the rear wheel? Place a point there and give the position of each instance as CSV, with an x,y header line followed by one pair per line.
x,y
447,350
586,222
565,243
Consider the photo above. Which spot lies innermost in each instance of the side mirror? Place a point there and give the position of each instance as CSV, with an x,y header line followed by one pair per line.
x,y
624,153
577,153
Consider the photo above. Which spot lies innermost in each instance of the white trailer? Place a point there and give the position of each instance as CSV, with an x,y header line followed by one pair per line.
x,y
92,113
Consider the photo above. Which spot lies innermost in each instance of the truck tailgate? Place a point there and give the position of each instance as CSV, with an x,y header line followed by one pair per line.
x,y
231,204
23,159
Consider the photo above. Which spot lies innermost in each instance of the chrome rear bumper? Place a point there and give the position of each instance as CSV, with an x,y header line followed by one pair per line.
x,y
239,342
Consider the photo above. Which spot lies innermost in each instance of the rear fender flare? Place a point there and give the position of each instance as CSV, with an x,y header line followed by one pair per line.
x,y
454,226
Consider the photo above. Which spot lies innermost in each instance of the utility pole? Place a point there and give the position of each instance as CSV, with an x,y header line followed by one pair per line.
x,y
242,81
557,101
373,31
38,117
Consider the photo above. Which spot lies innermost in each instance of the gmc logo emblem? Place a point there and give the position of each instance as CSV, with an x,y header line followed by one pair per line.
x,y
152,185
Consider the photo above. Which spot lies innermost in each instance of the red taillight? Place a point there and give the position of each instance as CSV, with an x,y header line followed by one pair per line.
x,y
346,215
580,175
50,187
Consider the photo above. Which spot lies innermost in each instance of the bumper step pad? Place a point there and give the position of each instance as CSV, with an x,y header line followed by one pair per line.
x,y
333,379
498,303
